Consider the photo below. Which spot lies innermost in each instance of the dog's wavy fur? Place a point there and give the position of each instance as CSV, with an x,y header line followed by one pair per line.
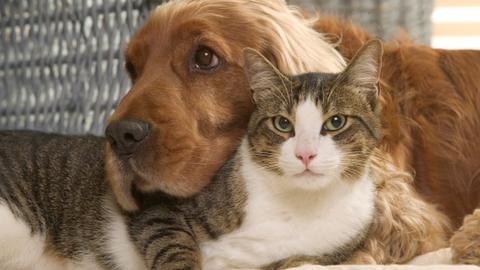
x,y
405,225
466,241
430,108
297,47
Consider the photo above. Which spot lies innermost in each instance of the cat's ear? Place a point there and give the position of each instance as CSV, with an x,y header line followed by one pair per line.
x,y
262,75
364,69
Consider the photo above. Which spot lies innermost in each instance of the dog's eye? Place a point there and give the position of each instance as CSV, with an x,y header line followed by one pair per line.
x,y
205,59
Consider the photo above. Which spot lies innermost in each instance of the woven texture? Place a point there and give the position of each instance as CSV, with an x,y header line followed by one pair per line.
x,y
61,61
385,18
61,66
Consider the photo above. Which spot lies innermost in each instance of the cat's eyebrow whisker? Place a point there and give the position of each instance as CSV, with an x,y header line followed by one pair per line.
x,y
286,89
332,89
283,98
290,91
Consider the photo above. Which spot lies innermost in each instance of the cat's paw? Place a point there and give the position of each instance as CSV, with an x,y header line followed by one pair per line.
x,y
222,264
465,243
215,258
230,254
214,264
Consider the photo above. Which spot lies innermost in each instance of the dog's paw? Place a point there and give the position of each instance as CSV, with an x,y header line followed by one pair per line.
x,y
465,243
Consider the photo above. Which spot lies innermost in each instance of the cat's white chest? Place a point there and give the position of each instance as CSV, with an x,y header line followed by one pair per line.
x,y
277,227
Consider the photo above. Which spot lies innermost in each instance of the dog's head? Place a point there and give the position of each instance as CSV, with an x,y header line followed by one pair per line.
x,y
190,101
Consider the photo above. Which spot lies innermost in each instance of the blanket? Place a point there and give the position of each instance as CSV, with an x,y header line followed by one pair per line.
x,y
438,260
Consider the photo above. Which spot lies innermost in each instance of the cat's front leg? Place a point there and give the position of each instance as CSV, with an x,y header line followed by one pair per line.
x,y
219,257
165,240
242,251
218,263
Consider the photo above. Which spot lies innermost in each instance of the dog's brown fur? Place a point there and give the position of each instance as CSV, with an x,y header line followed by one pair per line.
x,y
465,242
405,225
431,121
431,117
430,100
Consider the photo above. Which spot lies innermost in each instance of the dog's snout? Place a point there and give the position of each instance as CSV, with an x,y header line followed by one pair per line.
x,y
125,136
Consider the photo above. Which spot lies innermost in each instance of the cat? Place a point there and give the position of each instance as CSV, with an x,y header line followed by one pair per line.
x,y
298,188
304,165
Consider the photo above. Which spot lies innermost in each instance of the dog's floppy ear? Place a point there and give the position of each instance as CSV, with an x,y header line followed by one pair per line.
x,y
263,77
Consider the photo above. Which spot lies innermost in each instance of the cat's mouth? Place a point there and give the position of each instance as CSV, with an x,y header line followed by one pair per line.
x,y
309,173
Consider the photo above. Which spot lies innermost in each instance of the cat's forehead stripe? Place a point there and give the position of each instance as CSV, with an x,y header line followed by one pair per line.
x,y
312,86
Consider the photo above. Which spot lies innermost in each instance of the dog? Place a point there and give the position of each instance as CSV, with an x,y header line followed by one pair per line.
x,y
190,102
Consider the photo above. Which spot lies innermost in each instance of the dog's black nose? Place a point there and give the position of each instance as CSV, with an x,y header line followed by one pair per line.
x,y
125,136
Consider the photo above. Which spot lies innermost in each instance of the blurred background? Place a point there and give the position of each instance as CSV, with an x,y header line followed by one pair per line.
x,y
61,61
452,24
456,24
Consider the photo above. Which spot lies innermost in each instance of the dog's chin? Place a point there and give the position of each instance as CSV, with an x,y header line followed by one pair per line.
x,y
149,177
125,174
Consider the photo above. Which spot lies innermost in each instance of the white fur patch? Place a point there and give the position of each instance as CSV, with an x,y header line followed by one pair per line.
x,y
120,245
16,241
326,163
282,222
22,250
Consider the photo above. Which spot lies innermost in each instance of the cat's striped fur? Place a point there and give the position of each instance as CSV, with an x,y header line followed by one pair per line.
x,y
53,188
53,185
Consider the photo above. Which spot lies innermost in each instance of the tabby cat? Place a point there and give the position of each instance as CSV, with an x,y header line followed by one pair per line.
x,y
297,189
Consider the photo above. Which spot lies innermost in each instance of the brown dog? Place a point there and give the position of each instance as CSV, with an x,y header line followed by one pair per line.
x,y
190,103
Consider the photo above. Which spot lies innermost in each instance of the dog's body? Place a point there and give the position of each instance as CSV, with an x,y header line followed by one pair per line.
x,y
431,117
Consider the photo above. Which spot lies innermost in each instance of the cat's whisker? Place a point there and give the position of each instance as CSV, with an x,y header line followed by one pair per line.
x,y
283,98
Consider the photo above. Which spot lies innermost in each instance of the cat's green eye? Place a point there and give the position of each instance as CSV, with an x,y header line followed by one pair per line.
x,y
282,124
335,123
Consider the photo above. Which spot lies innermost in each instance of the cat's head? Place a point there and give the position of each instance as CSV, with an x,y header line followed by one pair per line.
x,y
313,129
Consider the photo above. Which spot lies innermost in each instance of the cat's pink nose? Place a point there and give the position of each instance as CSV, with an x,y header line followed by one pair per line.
x,y
306,157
